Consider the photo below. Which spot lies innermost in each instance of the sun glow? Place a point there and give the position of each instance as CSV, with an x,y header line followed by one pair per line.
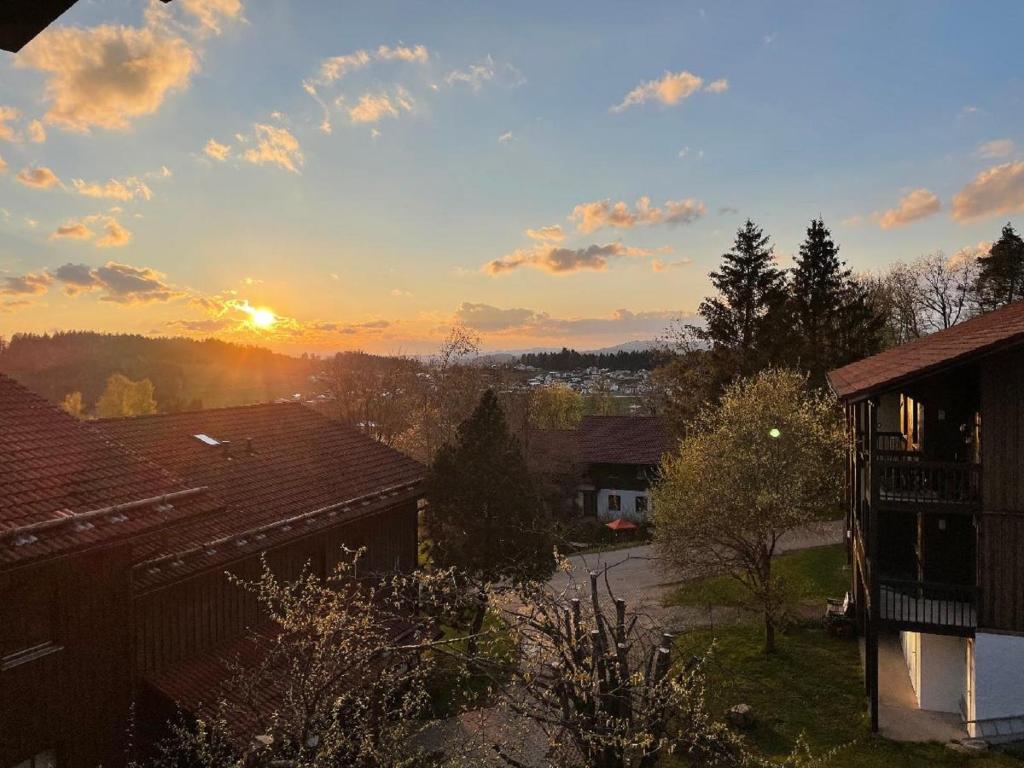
x,y
262,318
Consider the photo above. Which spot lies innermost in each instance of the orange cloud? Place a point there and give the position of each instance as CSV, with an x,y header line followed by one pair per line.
x,y
997,190
555,260
107,76
374,107
276,146
38,178
74,230
669,90
918,204
217,151
116,189
590,217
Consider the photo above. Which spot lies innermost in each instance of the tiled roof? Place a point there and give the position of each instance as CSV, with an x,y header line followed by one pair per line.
x,y
284,465
991,332
622,439
60,480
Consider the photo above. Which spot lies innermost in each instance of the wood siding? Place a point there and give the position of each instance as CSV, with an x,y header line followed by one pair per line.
x,y
187,618
1001,535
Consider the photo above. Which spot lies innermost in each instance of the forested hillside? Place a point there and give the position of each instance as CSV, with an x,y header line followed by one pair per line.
x,y
185,372
571,360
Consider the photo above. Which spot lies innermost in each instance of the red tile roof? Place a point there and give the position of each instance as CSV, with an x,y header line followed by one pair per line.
x,y
992,332
622,439
285,465
60,479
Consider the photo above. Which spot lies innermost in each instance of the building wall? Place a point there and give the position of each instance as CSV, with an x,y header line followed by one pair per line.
x,y
998,676
937,665
628,504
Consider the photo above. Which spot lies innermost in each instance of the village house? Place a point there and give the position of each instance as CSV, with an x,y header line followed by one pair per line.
x,y
115,537
935,523
606,465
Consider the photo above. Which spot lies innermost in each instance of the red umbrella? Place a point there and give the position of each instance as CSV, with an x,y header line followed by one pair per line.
x,y
620,524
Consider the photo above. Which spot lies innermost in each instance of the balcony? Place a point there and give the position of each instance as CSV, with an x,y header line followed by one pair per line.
x,y
926,606
907,481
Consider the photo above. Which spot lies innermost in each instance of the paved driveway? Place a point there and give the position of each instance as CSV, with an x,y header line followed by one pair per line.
x,y
639,576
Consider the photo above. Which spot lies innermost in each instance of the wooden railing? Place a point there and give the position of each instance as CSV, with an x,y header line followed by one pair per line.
x,y
927,604
890,441
906,479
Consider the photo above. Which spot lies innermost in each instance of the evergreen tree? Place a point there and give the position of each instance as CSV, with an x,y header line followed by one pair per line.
x,y
485,516
1001,273
832,319
744,323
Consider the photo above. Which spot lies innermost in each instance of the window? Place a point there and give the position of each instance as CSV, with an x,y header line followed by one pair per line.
x,y
614,502
45,759
641,505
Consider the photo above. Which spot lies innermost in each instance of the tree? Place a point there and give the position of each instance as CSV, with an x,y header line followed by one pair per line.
x,y
833,322
124,397
330,683
555,407
371,393
766,460
1001,272
744,322
72,403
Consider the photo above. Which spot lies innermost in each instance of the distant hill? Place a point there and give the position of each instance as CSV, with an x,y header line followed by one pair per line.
x,y
184,372
571,360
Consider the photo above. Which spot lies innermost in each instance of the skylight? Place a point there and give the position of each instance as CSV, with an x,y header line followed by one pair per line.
x,y
203,438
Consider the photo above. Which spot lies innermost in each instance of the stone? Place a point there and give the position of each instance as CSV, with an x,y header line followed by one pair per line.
x,y
967,746
740,716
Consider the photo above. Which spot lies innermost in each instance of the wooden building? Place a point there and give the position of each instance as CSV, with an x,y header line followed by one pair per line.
x,y
935,490
115,537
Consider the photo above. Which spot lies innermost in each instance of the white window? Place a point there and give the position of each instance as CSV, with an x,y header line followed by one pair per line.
x,y
614,502
45,759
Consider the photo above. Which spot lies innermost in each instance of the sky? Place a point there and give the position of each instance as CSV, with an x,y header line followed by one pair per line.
x,y
320,176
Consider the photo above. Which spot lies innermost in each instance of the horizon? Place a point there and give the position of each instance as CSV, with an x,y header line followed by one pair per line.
x,y
261,179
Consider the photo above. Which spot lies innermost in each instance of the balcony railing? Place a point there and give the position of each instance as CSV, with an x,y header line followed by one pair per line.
x,y
890,441
903,478
927,604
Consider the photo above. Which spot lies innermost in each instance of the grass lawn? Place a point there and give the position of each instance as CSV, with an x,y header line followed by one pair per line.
x,y
812,685
812,574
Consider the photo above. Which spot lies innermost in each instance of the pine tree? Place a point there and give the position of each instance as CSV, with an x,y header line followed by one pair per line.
x,y
485,516
1001,273
744,323
833,321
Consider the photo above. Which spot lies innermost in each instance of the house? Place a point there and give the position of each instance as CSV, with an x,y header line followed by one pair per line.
x,y
613,461
115,537
935,520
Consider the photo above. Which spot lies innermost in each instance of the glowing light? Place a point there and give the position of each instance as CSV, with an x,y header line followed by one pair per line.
x,y
775,432
262,318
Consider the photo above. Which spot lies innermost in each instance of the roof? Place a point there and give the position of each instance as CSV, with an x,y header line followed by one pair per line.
x,y
622,439
991,332
22,20
275,466
66,486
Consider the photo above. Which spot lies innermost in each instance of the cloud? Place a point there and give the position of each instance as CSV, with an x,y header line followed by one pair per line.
x,y
400,293
917,204
36,132
211,13
31,284
217,151
3,165
996,149
417,54
6,307
589,217
374,107
209,325
116,189
336,67
997,190
486,71
556,260
8,114
670,89
38,178
114,235
75,230
552,233
717,86
484,317
107,76
76,278
125,284
350,328
505,138
970,253
276,146
657,265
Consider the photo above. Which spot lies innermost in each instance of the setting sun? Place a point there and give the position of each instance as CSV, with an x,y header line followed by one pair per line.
x,y
262,318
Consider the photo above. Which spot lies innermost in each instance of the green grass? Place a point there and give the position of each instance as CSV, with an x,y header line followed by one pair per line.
x,y
813,686
811,574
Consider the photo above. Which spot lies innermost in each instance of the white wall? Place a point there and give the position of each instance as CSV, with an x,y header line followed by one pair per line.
x,y
998,676
937,665
627,508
